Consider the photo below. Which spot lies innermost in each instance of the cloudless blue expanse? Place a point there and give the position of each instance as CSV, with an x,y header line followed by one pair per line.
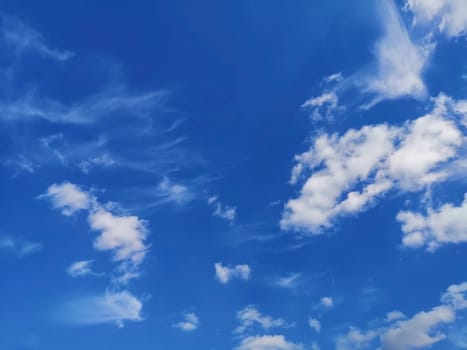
x,y
249,175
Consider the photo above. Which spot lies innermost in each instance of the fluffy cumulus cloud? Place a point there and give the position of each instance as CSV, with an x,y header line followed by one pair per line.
x,y
68,197
399,61
437,227
268,342
225,274
422,330
189,323
447,16
122,235
345,174
250,317
112,307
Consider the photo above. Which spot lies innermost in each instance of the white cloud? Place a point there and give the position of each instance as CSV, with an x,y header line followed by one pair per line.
x,y
399,62
444,225
80,268
268,342
222,211
323,106
171,192
355,339
394,315
22,39
420,331
290,281
350,172
115,101
19,247
327,302
68,197
448,16
250,316
314,324
226,273
123,235
113,307
190,322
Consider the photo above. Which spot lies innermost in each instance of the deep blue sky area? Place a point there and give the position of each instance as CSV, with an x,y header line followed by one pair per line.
x,y
245,175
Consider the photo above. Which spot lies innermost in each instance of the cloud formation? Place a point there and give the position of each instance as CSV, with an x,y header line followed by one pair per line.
x,y
189,323
268,342
447,16
19,247
250,317
225,274
352,171
422,330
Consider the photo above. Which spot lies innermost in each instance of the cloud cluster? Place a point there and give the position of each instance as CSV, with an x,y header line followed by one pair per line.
x,y
422,330
447,16
123,235
350,172
437,227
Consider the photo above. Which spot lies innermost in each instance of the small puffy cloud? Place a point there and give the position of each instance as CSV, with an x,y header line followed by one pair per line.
x,y
268,342
113,307
422,330
445,225
189,323
22,39
448,16
314,324
399,62
222,211
327,302
290,281
350,172
80,268
19,247
226,273
68,197
250,316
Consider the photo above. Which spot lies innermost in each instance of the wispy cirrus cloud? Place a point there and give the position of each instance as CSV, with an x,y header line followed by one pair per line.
x,y
19,38
110,308
18,247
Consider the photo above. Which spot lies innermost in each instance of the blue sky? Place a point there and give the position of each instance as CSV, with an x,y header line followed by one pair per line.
x,y
246,175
